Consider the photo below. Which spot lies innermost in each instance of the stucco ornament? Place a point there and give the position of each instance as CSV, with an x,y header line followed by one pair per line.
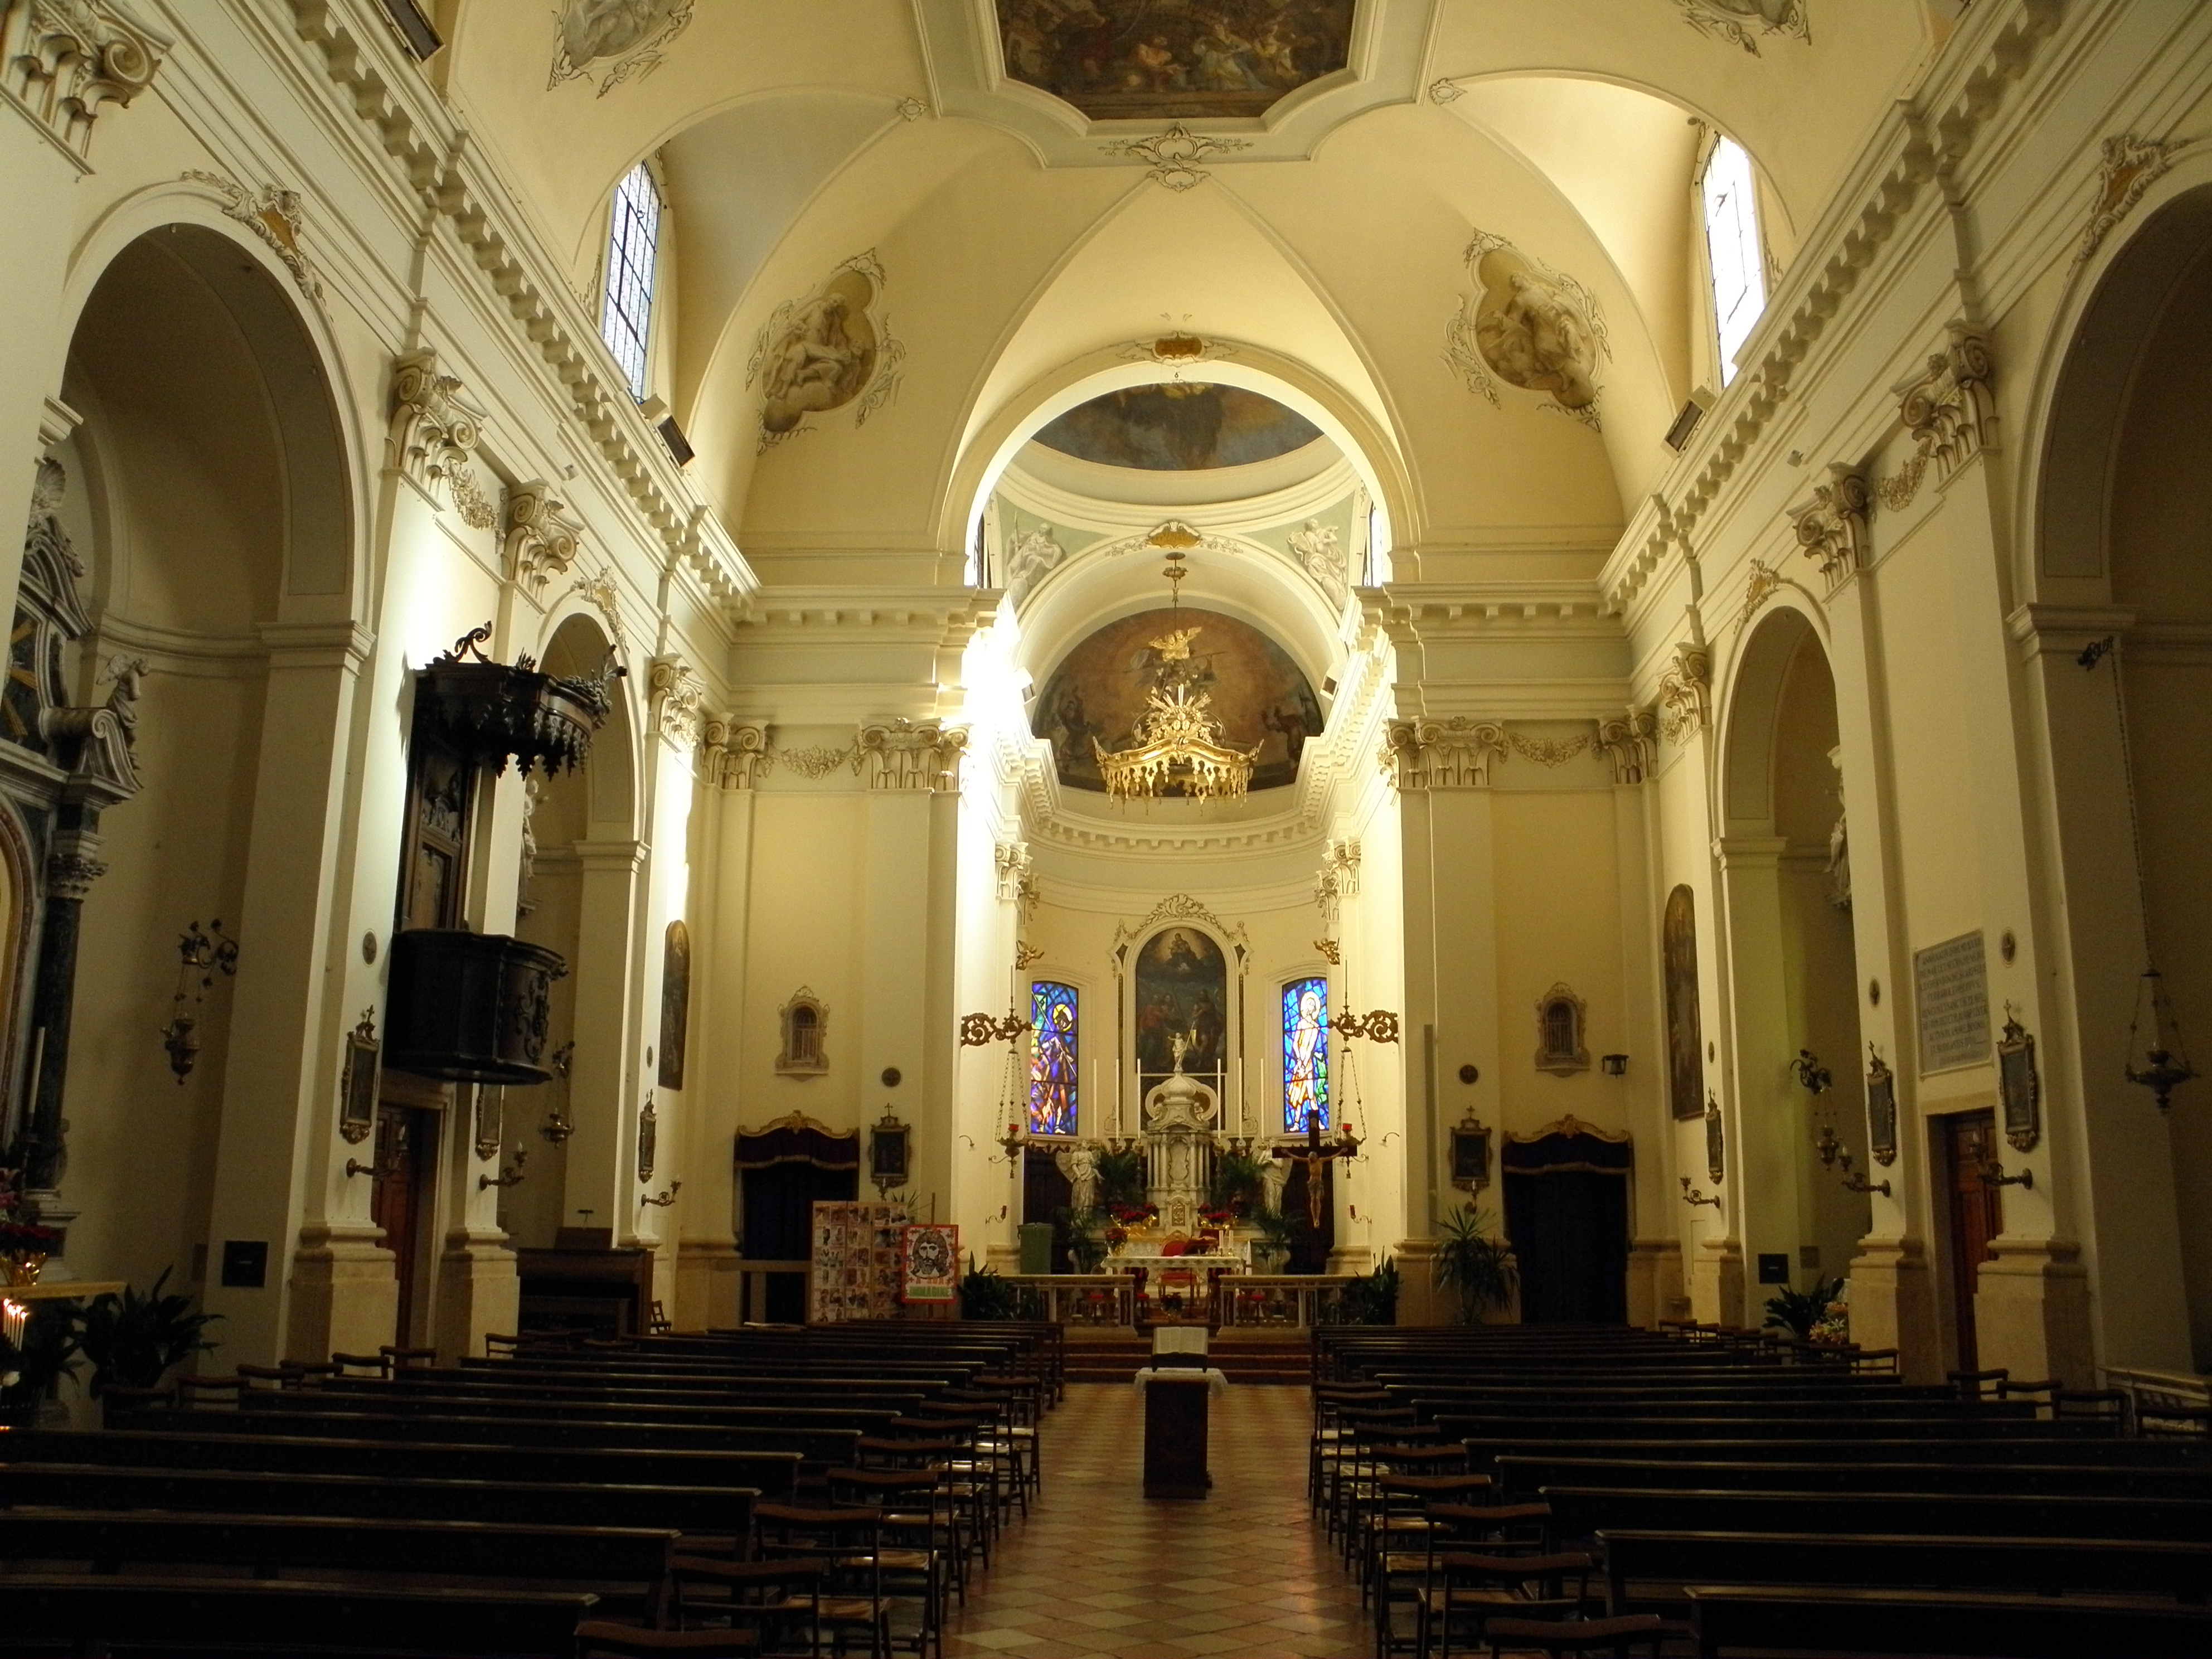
x,y
1174,156
1741,22
1532,326
1034,556
625,35
1318,551
63,59
827,350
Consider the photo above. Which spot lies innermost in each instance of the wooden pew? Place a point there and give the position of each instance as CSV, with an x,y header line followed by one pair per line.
x,y
2094,1453
628,1569
708,1511
773,1475
1903,1621
1584,1512
1521,1478
1635,1564
71,1613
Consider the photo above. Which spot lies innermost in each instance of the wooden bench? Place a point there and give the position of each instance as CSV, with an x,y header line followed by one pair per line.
x,y
1635,1564
1904,1621
1526,1476
1584,1512
72,1613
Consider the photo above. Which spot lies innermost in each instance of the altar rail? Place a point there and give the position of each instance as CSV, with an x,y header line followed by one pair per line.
x,y
1289,1302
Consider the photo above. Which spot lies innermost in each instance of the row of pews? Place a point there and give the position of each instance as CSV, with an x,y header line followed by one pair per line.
x,y
1567,1490
765,1491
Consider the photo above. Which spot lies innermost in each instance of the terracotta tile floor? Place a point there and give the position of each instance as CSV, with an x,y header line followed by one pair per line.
x,y
1097,1571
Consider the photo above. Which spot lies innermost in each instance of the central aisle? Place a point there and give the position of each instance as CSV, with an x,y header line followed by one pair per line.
x,y
1097,1571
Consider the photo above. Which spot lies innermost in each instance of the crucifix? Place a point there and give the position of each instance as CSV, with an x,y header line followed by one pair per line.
x,y
1314,1156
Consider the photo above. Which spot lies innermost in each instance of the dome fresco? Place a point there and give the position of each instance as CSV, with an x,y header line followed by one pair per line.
x,y
1259,695
1174,427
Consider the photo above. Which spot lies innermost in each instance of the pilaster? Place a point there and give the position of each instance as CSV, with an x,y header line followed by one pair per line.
x,y
1892,1302
2031,1311
478,1292
1717,1282
1654,1282
1421,1300
708,1284
345,1297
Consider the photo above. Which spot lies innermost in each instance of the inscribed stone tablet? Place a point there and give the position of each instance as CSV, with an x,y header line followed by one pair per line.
x,y
1953,985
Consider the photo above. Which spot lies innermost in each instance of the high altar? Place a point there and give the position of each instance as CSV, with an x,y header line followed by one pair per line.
x,y
1179,1136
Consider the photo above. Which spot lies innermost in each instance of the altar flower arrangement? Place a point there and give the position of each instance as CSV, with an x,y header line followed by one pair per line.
x,y
24,1245
1134,1218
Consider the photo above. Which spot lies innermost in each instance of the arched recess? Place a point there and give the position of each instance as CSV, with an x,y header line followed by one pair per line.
x,y
576,894
207,492
1786,893
2123,497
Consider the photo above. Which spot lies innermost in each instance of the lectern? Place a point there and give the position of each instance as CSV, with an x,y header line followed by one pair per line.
x,y
1174,1430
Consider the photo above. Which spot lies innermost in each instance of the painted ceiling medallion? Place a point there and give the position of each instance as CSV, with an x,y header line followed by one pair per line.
x,y
625,36
1153,59
819,353
1532,326
1178,427
1741,22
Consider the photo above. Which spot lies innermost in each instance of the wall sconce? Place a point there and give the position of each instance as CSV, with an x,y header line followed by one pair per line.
x,y
1993,1175
1614,1065
1693,1198
355,1167
1833,1152
198,956
666,1198
509,1175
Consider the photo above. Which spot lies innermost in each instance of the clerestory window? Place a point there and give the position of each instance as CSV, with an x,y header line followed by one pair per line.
x,y
1732,242
633,241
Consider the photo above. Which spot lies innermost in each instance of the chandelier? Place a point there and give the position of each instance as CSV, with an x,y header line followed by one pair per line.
x,y
1177,746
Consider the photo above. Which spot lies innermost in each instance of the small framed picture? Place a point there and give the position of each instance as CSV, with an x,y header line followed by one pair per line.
x,y
888,1153
1470,1155
1716,1141
1881,1110
357,1090
2018,1085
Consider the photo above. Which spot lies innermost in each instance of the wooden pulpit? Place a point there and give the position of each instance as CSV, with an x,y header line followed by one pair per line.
x,y
1174,1430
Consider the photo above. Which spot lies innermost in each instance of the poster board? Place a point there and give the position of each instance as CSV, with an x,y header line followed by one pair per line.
x,y
858,1255
931,1266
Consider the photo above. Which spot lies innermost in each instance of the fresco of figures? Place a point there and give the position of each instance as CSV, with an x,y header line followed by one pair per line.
x,y
1173,59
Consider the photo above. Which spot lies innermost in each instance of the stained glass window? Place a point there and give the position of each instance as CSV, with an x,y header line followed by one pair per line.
x,y
633,242
1305,1054
1052,1064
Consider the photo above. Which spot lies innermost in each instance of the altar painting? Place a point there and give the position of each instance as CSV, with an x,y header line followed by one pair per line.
x,y
1173,59
1053,1011
1685,1060
1259,695
1182,989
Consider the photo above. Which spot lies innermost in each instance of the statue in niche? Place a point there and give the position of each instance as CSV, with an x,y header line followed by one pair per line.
x,y
1317,550
1080,1164
1839,842
1034,556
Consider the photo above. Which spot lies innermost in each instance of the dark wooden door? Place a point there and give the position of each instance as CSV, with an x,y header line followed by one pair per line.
x,y
1569,1233
1046,1195
780,1201
1977,1215
406,1150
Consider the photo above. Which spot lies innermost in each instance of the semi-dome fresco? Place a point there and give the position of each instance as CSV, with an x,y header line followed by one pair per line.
x,y
1177,428
1173,59
1258,694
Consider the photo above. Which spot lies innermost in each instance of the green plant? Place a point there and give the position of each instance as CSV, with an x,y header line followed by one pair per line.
x,y
1122,1178
1373,1299
1237,1183
133,1339
1480,1266
986,1293
1797,1311
1082,1234
1278,1233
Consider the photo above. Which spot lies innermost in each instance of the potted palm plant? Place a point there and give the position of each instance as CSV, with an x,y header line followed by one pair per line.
x,y
1475,1263
133,1341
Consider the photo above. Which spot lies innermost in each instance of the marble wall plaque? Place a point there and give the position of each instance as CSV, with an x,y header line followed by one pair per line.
x,y
1951,982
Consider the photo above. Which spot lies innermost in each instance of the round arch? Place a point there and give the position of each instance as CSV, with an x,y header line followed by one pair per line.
x,y
309,396
1750,706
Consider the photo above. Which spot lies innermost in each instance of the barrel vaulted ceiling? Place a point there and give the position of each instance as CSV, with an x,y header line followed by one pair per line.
x,y
1023,249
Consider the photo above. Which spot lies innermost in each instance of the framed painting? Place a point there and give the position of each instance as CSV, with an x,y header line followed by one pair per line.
x,y
1470,1155
1715,1142
888,1153
1685,1057
2018,1089
1881,1110
358,1092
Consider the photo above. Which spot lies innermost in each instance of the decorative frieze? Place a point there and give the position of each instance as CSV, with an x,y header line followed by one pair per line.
x,y
1950,411
908,755
1831,527
1685,692
1443,754
542,539
62,60
432,435
678,701
1632,741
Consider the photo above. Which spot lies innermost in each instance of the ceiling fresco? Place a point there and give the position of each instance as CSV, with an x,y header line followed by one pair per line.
x,y
1258,694
1173,59
1173,427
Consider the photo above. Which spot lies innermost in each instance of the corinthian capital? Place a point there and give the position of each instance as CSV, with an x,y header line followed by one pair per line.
x,y
542,539
905,754
678,698
1443,754
1831,527
434,432
63,59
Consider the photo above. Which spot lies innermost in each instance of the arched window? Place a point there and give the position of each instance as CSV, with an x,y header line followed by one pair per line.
x,y
1052,1065
633,241
1305,1054
1732,242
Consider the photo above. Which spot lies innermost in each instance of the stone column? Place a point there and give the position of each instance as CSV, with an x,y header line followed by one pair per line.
x,y
601,1174
70,870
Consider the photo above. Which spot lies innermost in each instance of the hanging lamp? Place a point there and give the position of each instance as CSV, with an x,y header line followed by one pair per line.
x,y
1178,748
